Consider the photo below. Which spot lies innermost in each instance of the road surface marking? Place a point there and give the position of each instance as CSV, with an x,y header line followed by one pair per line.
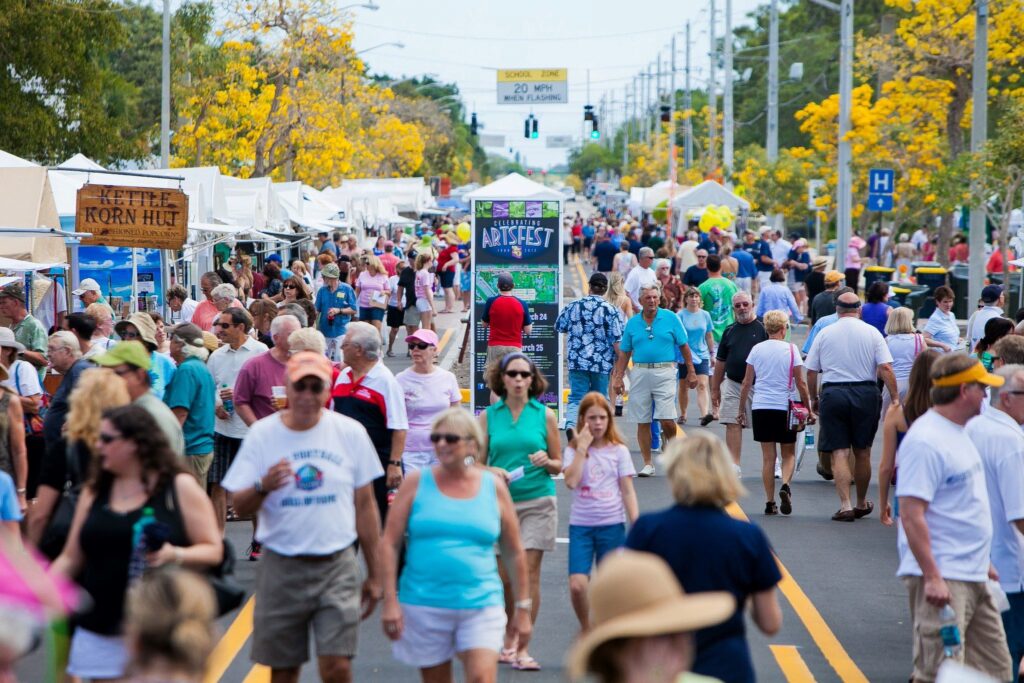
x,y
583,278
792,664
258,674
444,340
815,624
230,643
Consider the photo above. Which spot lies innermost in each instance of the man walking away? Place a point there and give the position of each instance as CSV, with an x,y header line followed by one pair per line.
x,y
946,531
716,294
849,355
507,318
993,299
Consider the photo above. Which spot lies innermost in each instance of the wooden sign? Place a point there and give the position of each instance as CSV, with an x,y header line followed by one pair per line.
x,y
121,216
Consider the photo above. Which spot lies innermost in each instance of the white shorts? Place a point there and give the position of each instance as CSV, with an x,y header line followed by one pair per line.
x,y
424,306
730,406
434,635
743,283
415,461
96,656
764,276
652,388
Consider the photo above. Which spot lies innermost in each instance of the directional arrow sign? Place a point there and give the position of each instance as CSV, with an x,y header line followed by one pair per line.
x,y
879,202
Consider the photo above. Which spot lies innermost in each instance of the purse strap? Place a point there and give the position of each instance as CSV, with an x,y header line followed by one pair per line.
x,y
917,343
792,359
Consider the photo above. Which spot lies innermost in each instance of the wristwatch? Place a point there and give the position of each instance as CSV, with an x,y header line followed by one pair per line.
x,y
526,603
395,463
258,486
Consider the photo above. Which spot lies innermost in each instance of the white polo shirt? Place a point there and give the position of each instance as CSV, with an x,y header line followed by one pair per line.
x,y
314,513
848,350
638,277
939,464
1000,443
224,364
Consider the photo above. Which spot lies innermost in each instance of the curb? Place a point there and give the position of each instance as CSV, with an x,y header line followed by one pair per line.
x,y
452,352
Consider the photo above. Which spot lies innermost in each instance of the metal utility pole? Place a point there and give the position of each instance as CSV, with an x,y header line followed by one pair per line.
x,y
979,133
727,114
688,103
772,143
657,88
673,173
647,104
844,217
165,91
712,96
627,126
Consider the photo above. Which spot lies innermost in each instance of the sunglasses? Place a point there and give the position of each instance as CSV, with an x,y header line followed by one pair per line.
x,y
129,335
309,384
447,438
109,438
225,326
420,346
290,287
523,374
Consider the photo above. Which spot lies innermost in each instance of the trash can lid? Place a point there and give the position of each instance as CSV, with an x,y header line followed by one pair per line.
x,y
880,269
900,290
933,270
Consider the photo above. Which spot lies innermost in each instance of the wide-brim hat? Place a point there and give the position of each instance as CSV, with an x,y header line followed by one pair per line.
x,y
819,262
7,339
634,595
143,323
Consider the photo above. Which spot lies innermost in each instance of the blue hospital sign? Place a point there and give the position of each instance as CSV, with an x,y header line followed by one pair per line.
x,y
881,181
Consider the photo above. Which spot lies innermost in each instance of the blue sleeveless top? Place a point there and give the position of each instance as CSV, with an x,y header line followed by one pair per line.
x,y
875,315
450,561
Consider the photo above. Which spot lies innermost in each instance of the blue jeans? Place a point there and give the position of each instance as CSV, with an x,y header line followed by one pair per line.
x,y
1013,624
581,382
590,543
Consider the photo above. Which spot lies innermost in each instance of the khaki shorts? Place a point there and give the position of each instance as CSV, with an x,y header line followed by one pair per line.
x,y
652,388
411,317
538,523
730,406
983,637
496,353
199,466
294,593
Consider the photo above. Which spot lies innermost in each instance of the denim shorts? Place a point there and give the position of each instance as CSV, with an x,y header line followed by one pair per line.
x,y
368,314
587,543
701,368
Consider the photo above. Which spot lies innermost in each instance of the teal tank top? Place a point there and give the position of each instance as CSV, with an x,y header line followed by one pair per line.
x,y
449,560
509,445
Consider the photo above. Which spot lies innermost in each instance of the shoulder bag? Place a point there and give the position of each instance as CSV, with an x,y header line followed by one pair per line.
x,y
798,412
33,421
56,534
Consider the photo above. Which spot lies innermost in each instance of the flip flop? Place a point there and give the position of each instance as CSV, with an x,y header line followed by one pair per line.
x,y
706,420
844,516
507,656
526,663
864,511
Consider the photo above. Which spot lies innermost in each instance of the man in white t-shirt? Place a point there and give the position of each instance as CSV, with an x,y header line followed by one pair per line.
x,y
52,306
850,356
642,275
992,298
945,533
309,474
997,435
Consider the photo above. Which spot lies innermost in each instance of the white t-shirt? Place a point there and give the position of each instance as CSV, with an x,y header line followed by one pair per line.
x,y
23,376
770,360
939,464
44,311
848,350
314,513
780,251
426,396
224,364
904,349
976,324
597,499
1000,443
638,277
393,284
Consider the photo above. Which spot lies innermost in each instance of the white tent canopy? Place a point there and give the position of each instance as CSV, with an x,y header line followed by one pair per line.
x,y
515,186
708,192
657,193
12,265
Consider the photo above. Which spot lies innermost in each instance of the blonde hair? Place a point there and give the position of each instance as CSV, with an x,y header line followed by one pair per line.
x,y
422,260
374,265
96,390
101,312
169,619
774,321
307,339
901,321
700,471
462,422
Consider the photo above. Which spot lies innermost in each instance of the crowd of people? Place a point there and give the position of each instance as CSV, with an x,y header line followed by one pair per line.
x,y
269,402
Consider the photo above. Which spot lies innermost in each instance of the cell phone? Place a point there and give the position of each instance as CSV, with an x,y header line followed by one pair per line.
x,y
155,535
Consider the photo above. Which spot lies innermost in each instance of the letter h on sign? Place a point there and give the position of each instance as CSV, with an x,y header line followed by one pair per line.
x,y
881,181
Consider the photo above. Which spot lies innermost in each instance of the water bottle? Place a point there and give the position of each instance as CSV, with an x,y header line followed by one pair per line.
x,y
950,632
137,563
809,438
229,404
391,496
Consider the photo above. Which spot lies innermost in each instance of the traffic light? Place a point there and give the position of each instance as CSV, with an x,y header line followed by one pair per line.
x,y
472,124
534,134
526,127
588,112
666,114
595,132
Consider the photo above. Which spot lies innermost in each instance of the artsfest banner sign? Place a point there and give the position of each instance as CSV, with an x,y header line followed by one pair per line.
x,y
522,238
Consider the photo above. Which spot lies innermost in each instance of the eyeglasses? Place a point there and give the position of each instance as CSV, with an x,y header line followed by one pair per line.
x,y
109,438
311,384
650,332
421,346
447,438
522,374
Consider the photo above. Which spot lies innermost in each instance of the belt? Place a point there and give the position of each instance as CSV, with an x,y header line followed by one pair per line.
x,y
865,383
654,366
320,558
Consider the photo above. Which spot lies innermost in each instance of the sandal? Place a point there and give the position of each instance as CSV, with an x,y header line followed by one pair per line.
x,y
706,420
232,516
844,516
526,663
864,511
507,656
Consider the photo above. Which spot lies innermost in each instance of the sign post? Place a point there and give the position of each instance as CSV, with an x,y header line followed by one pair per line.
x,y
522,237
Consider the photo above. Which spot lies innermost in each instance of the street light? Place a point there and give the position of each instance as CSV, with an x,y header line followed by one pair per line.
x,y
398,45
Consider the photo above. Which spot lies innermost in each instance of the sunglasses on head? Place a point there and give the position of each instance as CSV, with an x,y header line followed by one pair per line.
x,y
420,346
312,384
524,374
108,438
447,438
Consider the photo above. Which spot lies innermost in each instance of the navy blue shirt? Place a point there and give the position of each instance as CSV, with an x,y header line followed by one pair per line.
x,y
708,244
605,253
766,250
710,551
800,275
635,246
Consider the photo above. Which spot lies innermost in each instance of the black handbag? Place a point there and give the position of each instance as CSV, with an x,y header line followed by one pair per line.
x,y
57,531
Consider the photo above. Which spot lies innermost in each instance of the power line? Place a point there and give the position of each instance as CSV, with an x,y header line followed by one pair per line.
x,y
507,39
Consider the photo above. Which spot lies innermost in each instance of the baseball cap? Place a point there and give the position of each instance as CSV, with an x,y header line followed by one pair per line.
x,y
425,336
14,290
189,334
275,258
599,280
990,294
308,364
87,285
833,276
505,282
130,352
331,270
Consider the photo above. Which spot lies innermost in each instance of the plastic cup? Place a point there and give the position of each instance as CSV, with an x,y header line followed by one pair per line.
x,y
279,396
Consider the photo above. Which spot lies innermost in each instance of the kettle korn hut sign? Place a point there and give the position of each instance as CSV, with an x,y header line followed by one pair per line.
x,y
121,216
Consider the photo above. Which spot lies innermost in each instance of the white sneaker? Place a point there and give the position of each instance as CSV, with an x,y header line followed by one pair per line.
x,y
778,468
646,471
739,471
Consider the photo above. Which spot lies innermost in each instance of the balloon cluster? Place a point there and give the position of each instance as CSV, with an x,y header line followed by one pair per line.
x,y
720,217
462,230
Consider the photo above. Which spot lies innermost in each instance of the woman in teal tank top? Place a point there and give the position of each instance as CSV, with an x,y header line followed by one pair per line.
x,y
521,444
449,600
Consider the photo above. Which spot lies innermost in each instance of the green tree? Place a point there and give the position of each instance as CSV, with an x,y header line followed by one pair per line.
x,y
592,157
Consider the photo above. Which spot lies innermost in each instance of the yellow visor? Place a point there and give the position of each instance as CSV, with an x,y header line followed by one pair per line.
x,y
975,373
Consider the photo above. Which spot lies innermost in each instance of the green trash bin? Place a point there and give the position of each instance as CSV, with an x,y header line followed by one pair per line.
x,y
958,280
873,274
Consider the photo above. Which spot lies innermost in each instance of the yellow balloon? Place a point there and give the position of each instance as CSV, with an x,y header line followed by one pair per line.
x,y
463,232
708,220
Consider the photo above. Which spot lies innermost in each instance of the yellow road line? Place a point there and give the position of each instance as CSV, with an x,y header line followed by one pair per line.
x,y
583,278
792,664
445,339
230,643
258,674
822,635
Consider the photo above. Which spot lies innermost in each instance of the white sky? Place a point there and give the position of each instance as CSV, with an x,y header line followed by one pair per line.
x,y
463,42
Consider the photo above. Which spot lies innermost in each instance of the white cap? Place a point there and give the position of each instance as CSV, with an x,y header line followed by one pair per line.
x,y
87,285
